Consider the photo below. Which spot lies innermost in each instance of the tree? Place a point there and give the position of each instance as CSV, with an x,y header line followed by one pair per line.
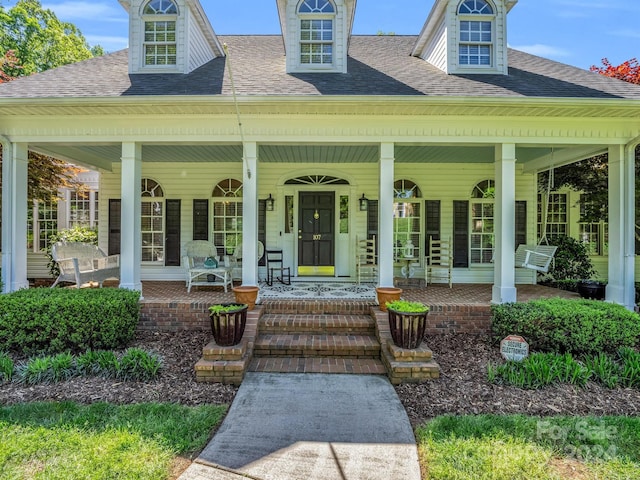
x,y
590,176
39,39
33,39
628,71
8,63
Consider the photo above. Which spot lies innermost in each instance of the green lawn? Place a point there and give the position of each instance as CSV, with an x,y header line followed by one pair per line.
x,y
516,447
100,441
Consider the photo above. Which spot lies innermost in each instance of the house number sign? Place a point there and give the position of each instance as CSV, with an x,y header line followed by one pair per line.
x,y
317,236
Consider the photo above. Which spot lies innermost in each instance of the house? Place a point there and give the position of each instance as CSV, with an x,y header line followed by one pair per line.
x,y
309,139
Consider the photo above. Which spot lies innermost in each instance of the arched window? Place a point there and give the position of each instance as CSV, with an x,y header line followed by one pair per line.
x,y
476,18
317,32
407,231
160,44
482,222
152,221
227,214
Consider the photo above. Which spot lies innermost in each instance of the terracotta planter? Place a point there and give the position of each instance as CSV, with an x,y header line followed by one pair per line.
x,y
246,294
387,294
407,328
228,327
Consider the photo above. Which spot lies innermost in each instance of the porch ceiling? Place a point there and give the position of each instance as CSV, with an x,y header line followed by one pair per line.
x,y
104,155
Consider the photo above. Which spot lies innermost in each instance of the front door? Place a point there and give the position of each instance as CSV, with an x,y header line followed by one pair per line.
x,y
316,236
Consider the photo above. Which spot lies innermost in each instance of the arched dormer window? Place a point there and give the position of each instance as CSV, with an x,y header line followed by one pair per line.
x,y
160,45
317,33
482,222
476,40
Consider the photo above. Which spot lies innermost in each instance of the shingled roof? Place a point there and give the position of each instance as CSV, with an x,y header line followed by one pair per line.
x,y
377,65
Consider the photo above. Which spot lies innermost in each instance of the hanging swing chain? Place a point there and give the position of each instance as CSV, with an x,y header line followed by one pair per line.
x,y
235,102
545,211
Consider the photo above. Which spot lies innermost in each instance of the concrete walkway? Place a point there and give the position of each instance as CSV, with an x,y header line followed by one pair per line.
x,y
311,427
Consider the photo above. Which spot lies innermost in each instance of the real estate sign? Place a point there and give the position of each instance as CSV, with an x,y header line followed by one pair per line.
x,y
514,347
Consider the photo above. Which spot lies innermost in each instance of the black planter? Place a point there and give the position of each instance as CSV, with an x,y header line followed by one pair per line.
x,y
592,289
228,327
407,329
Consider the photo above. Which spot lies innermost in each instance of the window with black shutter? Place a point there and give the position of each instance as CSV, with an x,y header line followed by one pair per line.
x,y
172,229
521,222
115,222
201,219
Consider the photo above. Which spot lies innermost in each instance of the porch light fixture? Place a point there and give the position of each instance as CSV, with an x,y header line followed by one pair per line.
x,y
364,203
269,202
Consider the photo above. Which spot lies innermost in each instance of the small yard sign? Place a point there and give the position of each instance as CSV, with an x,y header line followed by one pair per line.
x,y
514,347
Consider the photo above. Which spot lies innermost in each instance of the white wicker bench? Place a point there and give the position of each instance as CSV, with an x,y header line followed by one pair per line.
x,y
83,263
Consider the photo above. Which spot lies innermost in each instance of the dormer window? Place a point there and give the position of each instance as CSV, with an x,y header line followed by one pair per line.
x,y
160,44
476,19
317,36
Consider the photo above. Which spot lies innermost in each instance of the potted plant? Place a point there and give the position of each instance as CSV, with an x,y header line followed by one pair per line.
x,y
246,294
228,321
592,289
386,295
408,322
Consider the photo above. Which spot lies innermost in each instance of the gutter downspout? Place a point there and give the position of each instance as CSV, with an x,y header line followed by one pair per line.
x,y
7,190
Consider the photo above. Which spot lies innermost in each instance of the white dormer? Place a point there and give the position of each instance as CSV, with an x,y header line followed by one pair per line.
x,y
169,36
316,34
466,36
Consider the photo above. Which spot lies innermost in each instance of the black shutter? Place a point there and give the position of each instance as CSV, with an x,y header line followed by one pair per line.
x,y
115,223
172,229
372,219
262,228
201,219
460,233
521,222
432,227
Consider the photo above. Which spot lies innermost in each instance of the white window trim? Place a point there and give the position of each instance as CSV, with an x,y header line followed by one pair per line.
x,y
317,66
153,18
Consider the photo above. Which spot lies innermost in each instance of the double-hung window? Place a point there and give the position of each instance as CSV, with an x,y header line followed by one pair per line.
x,y
227,215
317,33
554,218
482,222
160,44
476,19
152,221
407,236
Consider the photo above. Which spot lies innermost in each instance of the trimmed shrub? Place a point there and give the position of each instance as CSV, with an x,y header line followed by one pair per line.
x,y
580,327
44,320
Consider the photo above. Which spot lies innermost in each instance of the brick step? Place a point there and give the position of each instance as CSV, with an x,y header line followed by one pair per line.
x,y
356,366
318,324
221,371
310,345
318,307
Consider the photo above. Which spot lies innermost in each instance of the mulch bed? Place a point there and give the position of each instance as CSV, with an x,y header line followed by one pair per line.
x,y
462,388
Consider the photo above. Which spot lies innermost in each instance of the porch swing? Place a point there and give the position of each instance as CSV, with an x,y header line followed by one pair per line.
x,y
539,257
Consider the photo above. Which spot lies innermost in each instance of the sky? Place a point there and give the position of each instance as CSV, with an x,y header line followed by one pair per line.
x,y
575,32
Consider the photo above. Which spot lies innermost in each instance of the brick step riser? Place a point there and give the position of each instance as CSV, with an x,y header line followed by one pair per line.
x,y
316,330
309,307
257,353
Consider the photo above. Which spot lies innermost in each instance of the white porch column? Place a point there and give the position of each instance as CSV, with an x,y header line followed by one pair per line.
x,y
629,226
130,236
250,214
14,216
385,215
504,289
617,187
